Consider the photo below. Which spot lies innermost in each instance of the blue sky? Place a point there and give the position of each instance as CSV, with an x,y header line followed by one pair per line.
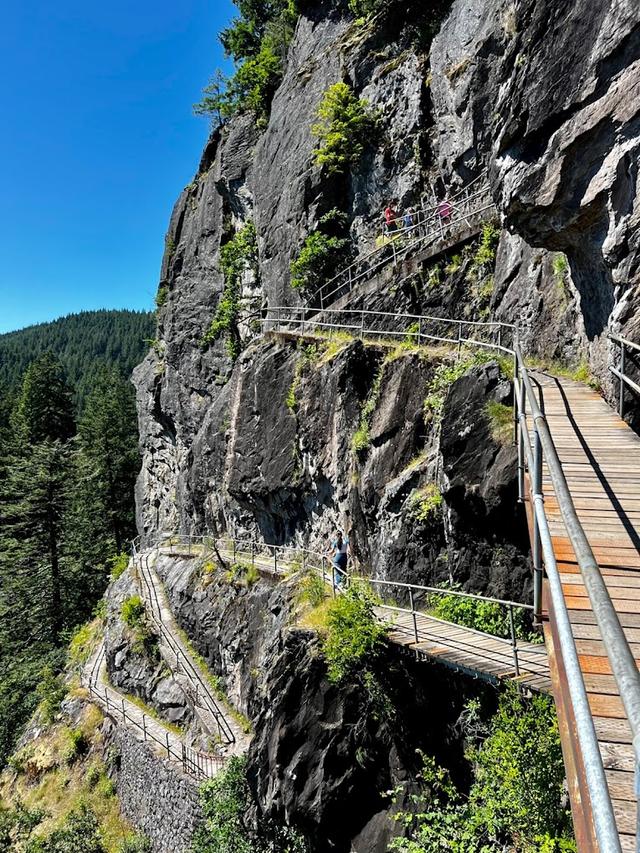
x,y
98,138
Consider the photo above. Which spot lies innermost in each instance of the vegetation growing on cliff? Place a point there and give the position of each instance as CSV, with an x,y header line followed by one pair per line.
x,y
257,41
237,257
226,801
345,123
516,799
322,254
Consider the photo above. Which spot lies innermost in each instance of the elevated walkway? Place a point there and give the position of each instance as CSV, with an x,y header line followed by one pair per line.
x,y
600,457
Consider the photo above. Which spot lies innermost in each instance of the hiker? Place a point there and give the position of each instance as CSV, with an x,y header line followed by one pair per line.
x,y
390,216
340,552
407,219
444,211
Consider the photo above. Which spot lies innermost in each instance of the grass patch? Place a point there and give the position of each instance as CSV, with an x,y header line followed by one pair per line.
x,y
85,641
500,421
361,438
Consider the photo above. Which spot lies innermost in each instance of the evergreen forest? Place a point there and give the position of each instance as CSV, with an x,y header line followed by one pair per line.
x,y
68,463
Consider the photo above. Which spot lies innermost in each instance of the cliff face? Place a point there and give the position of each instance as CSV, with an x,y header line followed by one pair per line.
x,y
542,96
505,85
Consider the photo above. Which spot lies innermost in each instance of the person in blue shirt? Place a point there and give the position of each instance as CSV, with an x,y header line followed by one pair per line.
x,y
340,557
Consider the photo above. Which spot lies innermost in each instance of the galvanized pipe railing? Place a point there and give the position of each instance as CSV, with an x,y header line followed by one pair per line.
x,y
625,344
429,225
614,640
531,454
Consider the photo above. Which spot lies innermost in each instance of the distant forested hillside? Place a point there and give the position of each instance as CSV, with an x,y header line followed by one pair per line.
x,y
84,343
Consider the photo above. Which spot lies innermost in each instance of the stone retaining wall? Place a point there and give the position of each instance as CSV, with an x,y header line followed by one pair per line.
x,y
155,797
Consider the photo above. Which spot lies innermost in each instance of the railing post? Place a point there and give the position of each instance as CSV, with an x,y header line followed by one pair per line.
x,y
144,727
362,325
413,614
124,713
459,338
168,747
253,554
275,560
233,548
189,541
621,397
324,575
184,758
333,580
537,542
514,644
304,560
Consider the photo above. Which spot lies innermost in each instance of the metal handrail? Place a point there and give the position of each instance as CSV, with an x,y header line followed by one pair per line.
x,y
430,208
301,319
614,640
202,765
253,549
225,732
531,455
432,226
624,344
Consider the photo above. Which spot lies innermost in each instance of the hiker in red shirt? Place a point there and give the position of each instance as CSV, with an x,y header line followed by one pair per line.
x,y
390,219
444,211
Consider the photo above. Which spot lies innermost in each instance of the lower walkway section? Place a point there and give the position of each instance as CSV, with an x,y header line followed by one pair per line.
x,y
470,651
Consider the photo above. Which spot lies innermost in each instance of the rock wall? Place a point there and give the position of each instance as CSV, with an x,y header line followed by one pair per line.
x,y
159,801
320,758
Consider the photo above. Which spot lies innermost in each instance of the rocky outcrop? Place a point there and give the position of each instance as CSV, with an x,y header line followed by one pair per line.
x,y
134,662
320,760
541,94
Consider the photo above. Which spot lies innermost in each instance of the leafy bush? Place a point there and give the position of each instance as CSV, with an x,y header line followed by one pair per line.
x,y
480,615
80,833
319,259
83,642
136,844
362,8
50,692
133,611
445,375
486,252
426,502
560,267
516,800
161,295
344,126
226,799
312,590
237,256
75,744
355,637
119,564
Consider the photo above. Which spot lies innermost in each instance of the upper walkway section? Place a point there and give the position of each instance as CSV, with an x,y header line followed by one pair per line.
x,y
433,230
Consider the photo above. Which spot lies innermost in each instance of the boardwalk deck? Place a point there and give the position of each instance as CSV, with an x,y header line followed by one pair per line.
x,y
600,456
469,650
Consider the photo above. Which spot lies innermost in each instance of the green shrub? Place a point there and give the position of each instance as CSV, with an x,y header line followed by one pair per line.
x,y
257,40
161,295
454,264
225,800
119,564
237,256
318,260
75,745
426,503
362,8
133,611
344,126
516,800
136,844
312,590
80,833
485,616
50,691
82,643
560,267
355,637
486,252
361,438
445,375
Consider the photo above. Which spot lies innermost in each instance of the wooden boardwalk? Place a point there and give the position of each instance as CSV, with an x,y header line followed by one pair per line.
x,y
470,651
600,456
